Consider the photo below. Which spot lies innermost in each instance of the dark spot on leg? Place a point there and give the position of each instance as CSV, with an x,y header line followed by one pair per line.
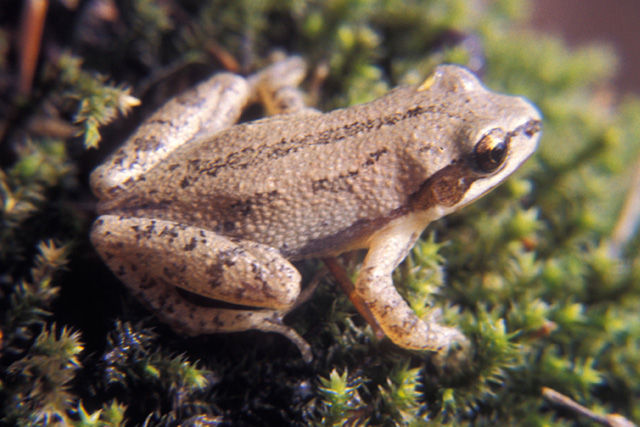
x,y
191,245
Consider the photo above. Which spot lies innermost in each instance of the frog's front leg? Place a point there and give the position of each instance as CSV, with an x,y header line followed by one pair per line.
x,y
155,257
387,250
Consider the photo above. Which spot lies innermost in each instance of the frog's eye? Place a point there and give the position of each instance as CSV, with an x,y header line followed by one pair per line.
x,y
491,150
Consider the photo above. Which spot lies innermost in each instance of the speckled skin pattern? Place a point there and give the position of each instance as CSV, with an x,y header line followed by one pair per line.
x,y
193,201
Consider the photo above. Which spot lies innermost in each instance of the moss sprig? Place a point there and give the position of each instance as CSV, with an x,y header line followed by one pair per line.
x,y
40,380
131,362
31,298
342,402
98,102
40,165
402,394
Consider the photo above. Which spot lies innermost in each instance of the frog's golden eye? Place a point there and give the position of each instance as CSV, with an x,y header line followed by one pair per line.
x,y
491,151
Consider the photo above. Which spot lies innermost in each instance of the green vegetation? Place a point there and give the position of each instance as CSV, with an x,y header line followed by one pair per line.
x,y
527,273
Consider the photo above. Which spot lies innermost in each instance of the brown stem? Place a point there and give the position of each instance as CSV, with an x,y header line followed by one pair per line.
x,y
341,276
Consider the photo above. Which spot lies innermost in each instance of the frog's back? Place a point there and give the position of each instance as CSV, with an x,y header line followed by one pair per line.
x,y
301,183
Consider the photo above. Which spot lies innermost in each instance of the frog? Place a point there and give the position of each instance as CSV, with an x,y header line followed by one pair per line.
x,y
196,204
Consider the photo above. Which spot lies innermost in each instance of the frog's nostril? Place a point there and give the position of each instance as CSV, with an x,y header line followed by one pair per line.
x,y
532,127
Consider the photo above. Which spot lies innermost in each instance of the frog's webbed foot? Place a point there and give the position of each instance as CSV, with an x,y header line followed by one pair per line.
x,y
274,324
155,257
375,287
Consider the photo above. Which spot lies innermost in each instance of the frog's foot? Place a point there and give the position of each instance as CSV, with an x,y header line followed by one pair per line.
x,y
443,339
276,86
402,325
193,319
274,324
155,257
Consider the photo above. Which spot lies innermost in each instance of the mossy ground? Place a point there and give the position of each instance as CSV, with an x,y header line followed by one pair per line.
x,y
528,272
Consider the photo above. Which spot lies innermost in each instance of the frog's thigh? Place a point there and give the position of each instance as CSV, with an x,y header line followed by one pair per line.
x,y
144,252
211,106
153,257
375,286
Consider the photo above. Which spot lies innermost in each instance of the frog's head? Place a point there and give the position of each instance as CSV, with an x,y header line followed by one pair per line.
x,y
494,135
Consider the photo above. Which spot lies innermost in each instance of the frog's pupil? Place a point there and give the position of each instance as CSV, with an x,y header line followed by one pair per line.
x,y
498,152
491,151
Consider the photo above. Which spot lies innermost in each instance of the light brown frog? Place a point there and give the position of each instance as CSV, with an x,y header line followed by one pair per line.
x,y
194,201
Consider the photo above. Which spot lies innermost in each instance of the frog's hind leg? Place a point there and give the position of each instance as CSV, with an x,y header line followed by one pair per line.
x,y
154,257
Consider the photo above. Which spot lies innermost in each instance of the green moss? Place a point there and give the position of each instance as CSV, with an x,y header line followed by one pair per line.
x,y
98,102
528,273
